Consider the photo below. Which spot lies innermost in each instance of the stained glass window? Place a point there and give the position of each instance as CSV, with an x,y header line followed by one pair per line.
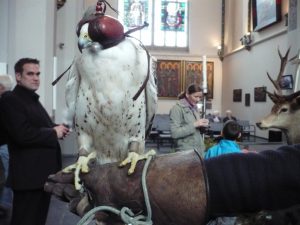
x,y
167,21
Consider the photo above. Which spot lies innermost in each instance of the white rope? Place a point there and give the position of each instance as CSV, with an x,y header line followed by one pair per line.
x,y
126,215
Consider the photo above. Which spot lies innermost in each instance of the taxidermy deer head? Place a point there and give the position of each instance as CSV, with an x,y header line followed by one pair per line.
x,y
285,114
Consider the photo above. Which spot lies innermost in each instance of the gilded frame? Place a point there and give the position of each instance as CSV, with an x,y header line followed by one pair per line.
x,y
193,73
169,78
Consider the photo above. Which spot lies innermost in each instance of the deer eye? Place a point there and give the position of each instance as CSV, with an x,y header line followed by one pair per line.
x,y
284,110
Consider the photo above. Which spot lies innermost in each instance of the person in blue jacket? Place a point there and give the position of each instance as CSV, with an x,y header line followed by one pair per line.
x,y
231,132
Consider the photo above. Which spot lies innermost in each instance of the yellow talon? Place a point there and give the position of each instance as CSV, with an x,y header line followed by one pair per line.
x,y
133,158
80,166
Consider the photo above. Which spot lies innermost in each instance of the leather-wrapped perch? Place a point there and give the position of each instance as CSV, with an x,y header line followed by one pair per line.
x,y
183,189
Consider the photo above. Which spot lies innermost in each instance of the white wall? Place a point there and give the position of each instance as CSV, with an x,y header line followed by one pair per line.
x,y
294,41
205,27
4,36
4,27
31,34
245,70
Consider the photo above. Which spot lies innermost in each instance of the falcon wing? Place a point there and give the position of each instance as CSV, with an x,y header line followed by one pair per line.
x,y
151,96
71,92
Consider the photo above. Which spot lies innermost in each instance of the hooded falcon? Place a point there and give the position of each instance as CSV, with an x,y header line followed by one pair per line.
x,y
111,93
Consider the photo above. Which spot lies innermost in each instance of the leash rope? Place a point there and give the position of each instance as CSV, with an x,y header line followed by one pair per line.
x,y
126,215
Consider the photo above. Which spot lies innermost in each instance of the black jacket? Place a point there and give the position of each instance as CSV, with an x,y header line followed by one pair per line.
x,y
3,138
32,142
2,135
249,182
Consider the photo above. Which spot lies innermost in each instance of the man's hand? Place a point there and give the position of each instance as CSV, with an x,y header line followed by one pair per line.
x,y
62,131
62,186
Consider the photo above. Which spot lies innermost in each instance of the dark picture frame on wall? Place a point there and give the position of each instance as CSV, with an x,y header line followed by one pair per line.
x,y
286,82
237,95
265,13
169,78
260,94
247,99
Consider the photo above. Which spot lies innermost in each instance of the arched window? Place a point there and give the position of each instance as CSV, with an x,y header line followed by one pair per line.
x,y
168,21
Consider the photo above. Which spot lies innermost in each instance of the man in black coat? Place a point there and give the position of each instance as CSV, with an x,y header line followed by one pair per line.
x,y
33,145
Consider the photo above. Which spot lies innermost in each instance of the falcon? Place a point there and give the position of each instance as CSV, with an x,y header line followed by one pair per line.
x,y
111,95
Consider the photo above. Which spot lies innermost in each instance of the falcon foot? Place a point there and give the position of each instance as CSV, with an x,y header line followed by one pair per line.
x,y
80,166
134,157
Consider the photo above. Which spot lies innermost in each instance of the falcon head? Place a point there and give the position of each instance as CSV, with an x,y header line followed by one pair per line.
x,y
84,39
102,29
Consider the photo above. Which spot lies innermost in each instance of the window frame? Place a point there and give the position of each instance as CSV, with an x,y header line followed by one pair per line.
x,y
152,15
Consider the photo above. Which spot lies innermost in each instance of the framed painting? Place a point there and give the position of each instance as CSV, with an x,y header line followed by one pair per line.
x,y
260,94
237,95
169,78
193,74
265,13
247,99
286,82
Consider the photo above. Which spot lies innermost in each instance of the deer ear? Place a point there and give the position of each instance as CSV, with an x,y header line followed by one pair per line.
x,y
298,100
295,104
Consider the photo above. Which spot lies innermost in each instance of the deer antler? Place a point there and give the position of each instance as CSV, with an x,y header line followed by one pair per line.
x,y
276,98
283,63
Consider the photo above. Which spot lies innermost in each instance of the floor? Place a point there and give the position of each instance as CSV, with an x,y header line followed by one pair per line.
x,y
60,215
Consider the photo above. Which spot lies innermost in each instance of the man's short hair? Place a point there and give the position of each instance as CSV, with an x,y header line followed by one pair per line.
x,y
21,62
231,130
